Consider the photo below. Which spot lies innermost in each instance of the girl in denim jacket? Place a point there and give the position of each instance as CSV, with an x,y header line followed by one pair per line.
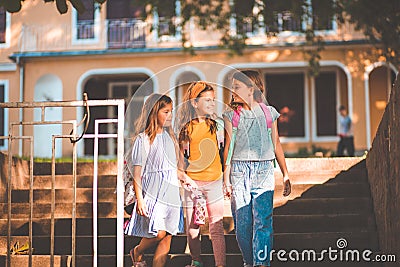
x,y
249,179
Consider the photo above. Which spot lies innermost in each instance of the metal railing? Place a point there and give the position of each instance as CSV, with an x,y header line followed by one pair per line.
x,y
74,137
116,33
126,33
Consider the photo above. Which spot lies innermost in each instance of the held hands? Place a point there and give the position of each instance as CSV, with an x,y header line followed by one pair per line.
x,y
227,189
187,181
287,187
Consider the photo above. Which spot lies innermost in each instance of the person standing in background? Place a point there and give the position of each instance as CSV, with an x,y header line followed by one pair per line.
x,y
345,133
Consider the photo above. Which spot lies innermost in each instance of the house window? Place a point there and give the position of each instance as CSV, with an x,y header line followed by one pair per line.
x,y
325,104
5,21
86,25
166,18
3,25
283,15
323,14
126,27
85,21
245,22
122,9
286,93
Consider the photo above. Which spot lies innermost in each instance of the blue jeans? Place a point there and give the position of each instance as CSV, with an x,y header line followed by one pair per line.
x,y
252,206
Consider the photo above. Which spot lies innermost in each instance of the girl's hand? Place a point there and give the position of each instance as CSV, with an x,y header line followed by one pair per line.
x,y
187,182
227,188
287,187
141,208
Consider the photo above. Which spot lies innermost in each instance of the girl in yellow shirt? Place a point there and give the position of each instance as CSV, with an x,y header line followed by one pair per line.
x,y
198,141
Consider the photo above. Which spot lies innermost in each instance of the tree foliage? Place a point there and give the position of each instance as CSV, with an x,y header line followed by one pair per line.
x,y
13,6
379,20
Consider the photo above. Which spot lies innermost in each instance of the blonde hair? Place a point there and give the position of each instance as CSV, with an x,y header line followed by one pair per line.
x,y
147,122
187,113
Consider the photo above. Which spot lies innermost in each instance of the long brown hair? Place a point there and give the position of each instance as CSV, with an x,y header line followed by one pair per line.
x,y
147,122
187,113
251,78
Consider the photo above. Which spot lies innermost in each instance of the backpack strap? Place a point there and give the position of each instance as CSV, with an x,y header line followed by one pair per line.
x,y
267,114
268,117
236,117
220,133
235,123
221,140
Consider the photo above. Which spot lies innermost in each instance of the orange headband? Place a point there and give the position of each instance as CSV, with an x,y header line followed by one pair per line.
x,y
196,88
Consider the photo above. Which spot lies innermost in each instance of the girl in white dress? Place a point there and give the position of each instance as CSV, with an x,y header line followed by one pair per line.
x,y
158,204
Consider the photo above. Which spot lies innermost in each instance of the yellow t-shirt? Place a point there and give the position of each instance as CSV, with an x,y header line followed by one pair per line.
x,y
204,159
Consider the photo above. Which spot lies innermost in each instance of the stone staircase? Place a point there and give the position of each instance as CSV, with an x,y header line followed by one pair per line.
x,y
330,201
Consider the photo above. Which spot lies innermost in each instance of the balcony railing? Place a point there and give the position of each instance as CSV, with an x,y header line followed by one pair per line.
x,y
132,33
85,29
126,33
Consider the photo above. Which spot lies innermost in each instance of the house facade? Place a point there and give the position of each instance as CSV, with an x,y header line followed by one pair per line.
x,y
111,51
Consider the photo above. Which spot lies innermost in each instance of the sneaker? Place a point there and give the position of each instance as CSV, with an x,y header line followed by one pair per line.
x,y
195,264
139,264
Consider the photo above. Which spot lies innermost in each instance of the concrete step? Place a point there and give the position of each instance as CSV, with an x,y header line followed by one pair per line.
x,y
62,210
107,199
37,260
353,175
107,244
62,181
321,223
284,221
65,181
338,190
109,181
82,168
84,226
323,176
328,190
313,164
83,195
294,164
287,242
233,260
309,206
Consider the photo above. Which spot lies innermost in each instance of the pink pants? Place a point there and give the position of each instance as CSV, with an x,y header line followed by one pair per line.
x,y
215,209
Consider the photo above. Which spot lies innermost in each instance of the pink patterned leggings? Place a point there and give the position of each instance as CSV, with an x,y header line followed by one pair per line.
x,y
215,209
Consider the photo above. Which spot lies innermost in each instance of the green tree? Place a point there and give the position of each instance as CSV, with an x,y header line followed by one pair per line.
x,y
380,22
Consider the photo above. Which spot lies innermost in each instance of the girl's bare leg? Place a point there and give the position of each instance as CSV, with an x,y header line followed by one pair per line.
x,y
161,253
146,243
